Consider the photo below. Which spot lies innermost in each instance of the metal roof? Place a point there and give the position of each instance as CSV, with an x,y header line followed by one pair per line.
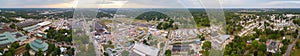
x,y
148,50
10,37
38,44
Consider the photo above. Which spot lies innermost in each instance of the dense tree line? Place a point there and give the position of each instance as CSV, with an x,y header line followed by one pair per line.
x,y
12,49
200,17
296,20
167,24
207,47
8,20
152,15
231,20
102,14
59,35
168,53
34,13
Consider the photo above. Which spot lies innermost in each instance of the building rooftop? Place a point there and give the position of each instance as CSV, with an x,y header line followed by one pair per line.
x,y
38,44
272,46
180,47
219,40
37,26
26,24
42,35
44,23
10,37
31,28
143,49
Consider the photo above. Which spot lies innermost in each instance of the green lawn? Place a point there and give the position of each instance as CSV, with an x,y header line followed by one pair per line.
x,y
295,52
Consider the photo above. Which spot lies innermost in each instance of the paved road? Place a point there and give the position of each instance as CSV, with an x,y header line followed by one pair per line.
x,y
86,27
288,51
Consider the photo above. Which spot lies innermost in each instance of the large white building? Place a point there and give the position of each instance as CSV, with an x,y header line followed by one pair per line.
x,y
140,49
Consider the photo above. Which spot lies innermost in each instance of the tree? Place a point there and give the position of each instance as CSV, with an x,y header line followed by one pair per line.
x,y
13,26
297,45
27,47
106,54
152,15
57,50
260,53
15,45
168,53
27,53
283,49
8,54
1,49
110,42
71,51
51,48
58,35
11,50
262,47
206,45
39,53
201,37
254,44
285,41
297,21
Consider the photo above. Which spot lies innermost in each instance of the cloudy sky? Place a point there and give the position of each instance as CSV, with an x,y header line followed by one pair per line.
x,y
149,3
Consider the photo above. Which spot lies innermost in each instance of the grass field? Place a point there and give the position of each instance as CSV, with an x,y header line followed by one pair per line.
x,y
295,52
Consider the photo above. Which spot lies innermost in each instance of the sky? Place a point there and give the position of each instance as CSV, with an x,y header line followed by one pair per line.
x,y
149,3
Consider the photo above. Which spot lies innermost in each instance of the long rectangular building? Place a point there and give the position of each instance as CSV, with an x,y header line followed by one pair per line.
x,y
140,49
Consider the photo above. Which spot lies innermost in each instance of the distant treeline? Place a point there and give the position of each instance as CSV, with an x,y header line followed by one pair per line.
x,y
109,12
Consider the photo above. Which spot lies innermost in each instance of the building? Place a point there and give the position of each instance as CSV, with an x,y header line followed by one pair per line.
x,y
38,44
272,46
218,41
8,36
19,51
31,28
37,26
180,48
27,23
140,49
198,42
20,19
41,35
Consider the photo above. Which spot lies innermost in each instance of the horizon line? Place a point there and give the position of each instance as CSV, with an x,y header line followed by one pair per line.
x,y
176,8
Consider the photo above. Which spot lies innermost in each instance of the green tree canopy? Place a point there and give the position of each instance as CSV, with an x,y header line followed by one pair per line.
x,y
152,15
206,45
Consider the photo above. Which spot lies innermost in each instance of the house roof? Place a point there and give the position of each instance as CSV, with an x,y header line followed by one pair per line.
x,y
272,46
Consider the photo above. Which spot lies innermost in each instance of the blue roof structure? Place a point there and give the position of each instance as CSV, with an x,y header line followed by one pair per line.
x,y
31,28
10,37
38,44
